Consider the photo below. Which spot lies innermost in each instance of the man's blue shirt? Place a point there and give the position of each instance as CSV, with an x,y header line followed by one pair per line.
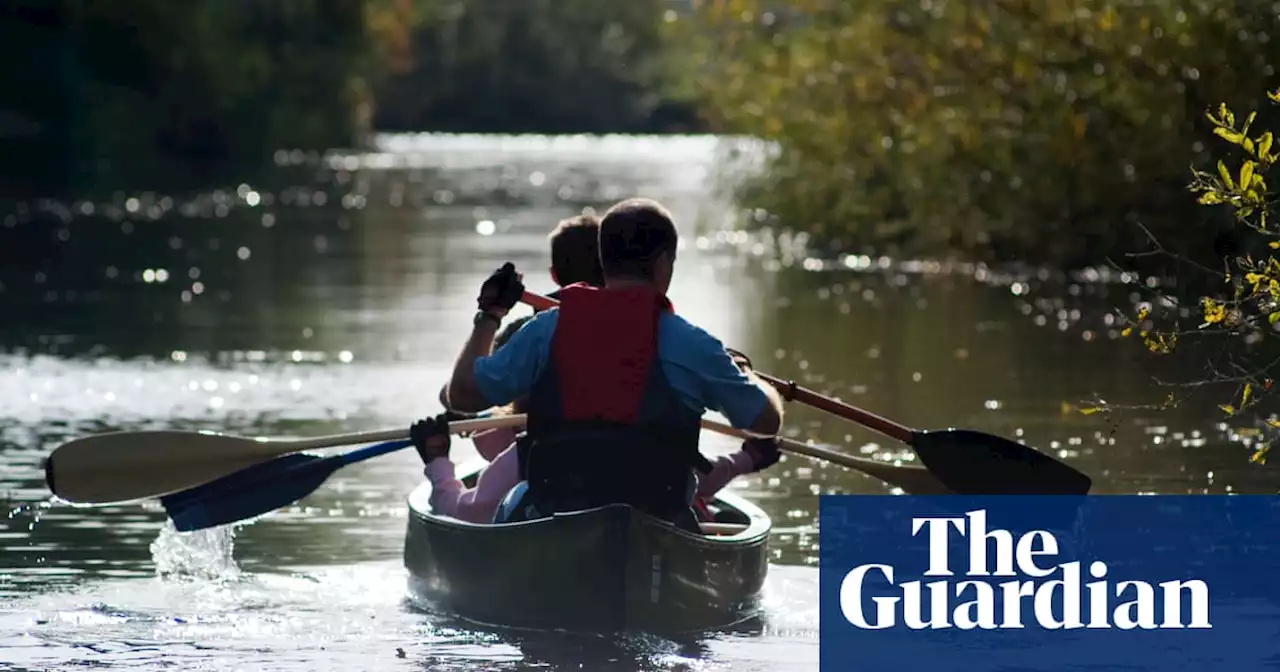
x,y
696,365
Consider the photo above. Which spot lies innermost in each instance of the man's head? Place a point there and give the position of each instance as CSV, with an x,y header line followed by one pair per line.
x,y
638,242
575,251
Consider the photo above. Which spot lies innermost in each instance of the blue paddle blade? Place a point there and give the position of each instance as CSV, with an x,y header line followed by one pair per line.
x,y
261,489
249,493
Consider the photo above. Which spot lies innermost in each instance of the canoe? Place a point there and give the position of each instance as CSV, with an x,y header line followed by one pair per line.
x,y
605,570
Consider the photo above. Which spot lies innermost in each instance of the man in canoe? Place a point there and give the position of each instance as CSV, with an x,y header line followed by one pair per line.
x,y
574,258
616,381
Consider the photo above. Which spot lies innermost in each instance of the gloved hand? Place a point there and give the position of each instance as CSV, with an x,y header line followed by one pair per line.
x,y
743,361
764,452
501,291
431,437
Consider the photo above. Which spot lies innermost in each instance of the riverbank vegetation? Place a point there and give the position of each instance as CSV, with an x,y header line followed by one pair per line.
x,y
158,95
994,130
997,130
146,94
1232,325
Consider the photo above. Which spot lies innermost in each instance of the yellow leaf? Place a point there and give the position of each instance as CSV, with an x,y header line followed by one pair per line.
x,y
1225,175
1210,198
1271,319
1127,331
1264,146
1244,396
1233,137
1089,411
1246,173
1272,422
1214,311
1275,244
1274,96
1228,409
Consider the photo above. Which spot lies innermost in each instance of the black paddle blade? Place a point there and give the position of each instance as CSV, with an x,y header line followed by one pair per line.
x,y
974,463
249,493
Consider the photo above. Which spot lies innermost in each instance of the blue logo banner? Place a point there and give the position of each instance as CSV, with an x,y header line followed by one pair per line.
x,y
1049,583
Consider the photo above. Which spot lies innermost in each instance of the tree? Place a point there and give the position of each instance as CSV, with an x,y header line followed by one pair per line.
x,y
993,129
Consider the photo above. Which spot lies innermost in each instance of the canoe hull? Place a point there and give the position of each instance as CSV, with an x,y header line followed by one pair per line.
x,y
608,569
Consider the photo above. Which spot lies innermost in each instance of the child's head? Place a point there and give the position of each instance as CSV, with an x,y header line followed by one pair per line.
x,y
575,251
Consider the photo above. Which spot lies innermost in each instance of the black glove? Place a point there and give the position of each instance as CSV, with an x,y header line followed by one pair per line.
x,y
502,291
764,452
743,361
431,437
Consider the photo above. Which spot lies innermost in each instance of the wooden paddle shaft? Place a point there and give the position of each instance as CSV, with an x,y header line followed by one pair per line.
x,y
838,408
790,390
912,479
378,436
125,466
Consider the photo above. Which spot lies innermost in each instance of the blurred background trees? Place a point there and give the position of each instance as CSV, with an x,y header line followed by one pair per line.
x,y
166,95
996,129
991,129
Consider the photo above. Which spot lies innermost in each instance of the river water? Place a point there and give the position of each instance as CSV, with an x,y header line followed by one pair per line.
x,y
335,299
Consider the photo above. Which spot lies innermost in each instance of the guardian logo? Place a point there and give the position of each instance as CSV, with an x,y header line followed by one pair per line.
x,y
969,600
1048,583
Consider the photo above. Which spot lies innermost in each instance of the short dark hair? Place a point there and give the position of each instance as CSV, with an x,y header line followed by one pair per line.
x,y
575,251
633,234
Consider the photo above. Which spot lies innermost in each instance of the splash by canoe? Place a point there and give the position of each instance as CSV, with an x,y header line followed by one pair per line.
x,y
608,569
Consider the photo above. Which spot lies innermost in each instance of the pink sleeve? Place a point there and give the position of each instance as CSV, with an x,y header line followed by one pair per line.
x,y
724,469
491,442
449,497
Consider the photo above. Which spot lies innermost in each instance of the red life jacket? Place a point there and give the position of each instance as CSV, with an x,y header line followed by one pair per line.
x,y
604,424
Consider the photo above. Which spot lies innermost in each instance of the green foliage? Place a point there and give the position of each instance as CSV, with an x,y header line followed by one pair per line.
x,y
548,66
1245,306
161,95
157,94
997,129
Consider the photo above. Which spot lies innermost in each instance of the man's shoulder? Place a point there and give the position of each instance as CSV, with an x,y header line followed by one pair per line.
x,y
675,330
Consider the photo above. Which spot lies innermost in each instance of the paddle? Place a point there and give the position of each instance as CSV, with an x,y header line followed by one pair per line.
x,y
127,466
964,461
913,480
275,484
